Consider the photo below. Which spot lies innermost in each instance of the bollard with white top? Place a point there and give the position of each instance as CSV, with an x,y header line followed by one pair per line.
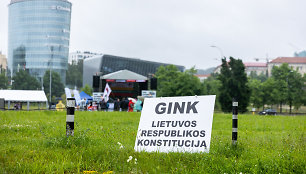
x,y
235,122
70,116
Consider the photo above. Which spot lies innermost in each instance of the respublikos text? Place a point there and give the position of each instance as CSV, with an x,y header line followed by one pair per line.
x,y
182,135
173,133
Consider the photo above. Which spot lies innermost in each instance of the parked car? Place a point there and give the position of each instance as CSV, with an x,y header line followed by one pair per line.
x,y
267,112
52,106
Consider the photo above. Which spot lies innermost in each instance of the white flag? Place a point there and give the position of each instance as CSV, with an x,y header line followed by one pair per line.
x,y
107,91
68,93
77,96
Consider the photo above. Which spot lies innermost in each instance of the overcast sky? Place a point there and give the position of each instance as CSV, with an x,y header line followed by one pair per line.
x,y
182,31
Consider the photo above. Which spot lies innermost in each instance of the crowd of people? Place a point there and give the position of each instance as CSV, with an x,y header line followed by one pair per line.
x,y
125,104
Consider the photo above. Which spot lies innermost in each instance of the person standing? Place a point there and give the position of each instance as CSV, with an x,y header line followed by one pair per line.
x,y
83,104
122,104
117,105
131,106
138,107
103,105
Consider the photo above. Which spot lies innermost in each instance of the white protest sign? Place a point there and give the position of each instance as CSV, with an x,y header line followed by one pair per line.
x,y
97,96
148,94
176,124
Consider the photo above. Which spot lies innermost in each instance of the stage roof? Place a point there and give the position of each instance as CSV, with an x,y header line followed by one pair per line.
x,y
23,95
124,75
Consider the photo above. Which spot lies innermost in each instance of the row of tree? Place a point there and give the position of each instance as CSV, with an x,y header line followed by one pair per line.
x,y
74,75
285,86
22,80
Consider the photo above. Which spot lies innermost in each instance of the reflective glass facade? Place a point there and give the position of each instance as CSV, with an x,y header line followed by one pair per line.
x,y
39,34
115,63
108,64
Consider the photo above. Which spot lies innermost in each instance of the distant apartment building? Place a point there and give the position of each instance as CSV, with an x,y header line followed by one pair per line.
x,y
257,67
297,63
78,55
3,62
202,77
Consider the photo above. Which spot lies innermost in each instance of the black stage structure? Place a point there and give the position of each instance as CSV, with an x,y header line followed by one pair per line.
x,y
124,83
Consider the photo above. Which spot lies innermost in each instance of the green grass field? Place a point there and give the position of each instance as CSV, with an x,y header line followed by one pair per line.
x,y
35,142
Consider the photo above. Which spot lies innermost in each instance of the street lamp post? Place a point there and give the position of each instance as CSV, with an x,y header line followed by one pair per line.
x,y
52,48
50,84
289,76
220,50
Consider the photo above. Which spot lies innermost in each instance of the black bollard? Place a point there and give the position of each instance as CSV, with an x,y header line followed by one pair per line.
x,y
70,116
235,122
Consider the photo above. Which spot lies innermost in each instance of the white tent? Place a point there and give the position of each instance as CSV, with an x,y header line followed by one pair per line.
x,y
23,96
124,74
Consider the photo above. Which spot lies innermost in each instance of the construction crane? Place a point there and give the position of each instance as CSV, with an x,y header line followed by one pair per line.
x,y
267,58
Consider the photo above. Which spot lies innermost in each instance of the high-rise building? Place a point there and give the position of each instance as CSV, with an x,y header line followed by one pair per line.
x,y
300,54
3,62
38,36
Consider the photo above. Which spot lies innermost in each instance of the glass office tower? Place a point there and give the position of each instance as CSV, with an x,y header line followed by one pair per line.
x,y
39,34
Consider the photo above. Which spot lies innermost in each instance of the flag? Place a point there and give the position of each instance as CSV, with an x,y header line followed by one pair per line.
x,y
77,96
107,91
68,93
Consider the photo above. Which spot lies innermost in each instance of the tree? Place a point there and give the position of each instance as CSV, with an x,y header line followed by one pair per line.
x,y
166,76
261,77
24,81
233,85
256,92
295,90
172,82
211,87
270,94
57,87
187,84
303,101
225,98
3,81
74,75
280,75
289,84
87,89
